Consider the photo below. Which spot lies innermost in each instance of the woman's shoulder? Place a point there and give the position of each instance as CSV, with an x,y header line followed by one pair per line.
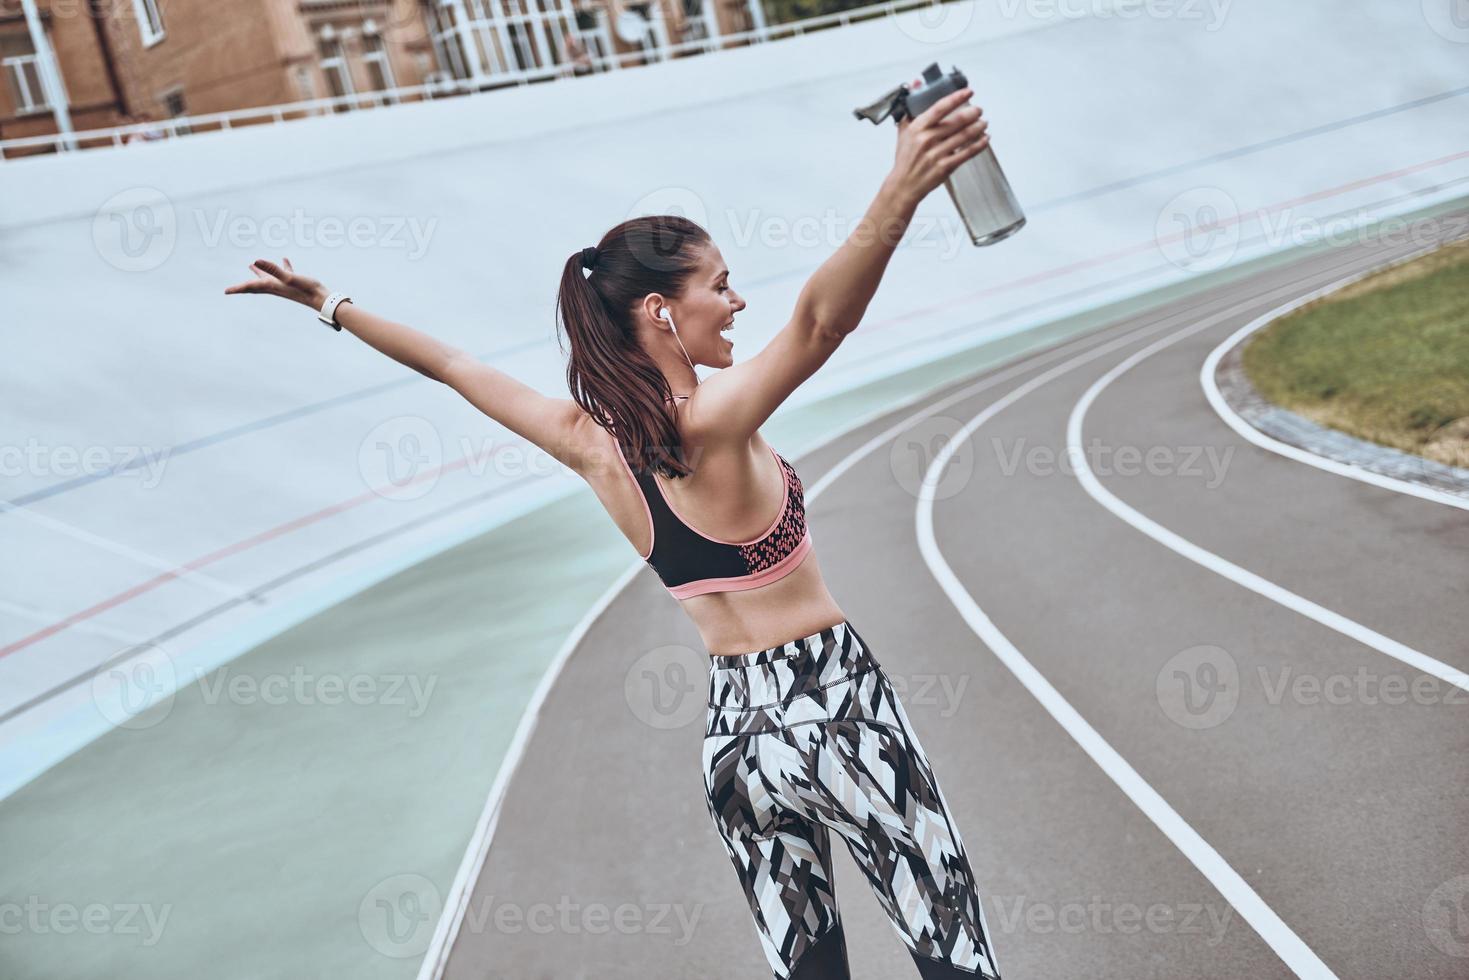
x,y
700,439
698,430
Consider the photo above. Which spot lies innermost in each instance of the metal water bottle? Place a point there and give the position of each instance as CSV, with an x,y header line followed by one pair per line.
x,y
978,186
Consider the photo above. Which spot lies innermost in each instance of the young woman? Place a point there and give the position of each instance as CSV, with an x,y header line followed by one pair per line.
x,y
804,734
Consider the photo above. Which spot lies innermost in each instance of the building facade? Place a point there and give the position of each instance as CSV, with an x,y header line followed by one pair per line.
x,y
129,61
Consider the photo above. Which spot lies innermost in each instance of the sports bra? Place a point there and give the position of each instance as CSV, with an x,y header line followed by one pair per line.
x,y
691,563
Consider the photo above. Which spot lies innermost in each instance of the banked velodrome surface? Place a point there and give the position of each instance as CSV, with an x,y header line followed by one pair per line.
x,y
1319,773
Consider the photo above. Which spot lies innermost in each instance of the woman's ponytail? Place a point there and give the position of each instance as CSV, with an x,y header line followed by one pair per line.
x,y
610,375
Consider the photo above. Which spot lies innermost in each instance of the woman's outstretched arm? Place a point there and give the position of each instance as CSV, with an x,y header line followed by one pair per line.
x,y
556,425
930,148
412,348
739,399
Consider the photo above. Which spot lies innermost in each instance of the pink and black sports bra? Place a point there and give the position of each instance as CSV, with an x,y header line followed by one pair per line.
x,y
692,563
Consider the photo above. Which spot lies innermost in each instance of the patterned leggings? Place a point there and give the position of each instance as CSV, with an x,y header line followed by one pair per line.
x,y
806,738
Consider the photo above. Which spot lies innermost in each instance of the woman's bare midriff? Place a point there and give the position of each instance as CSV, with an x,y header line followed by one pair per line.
x,y
743,621
795,605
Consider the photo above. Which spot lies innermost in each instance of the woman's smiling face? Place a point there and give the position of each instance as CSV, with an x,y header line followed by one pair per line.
x,y
706,310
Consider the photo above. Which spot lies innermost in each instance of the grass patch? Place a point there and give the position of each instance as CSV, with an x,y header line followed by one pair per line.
x,y
1385,359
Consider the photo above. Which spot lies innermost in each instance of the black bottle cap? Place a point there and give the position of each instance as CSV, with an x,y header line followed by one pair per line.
x,y
936,85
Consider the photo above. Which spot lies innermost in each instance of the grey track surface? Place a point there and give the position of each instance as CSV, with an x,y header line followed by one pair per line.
x,y
1343,817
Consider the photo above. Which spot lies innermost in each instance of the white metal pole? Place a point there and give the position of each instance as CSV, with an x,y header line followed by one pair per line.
x,y
465,31
50,75
508,53
757,16
605,31
659,29
711,24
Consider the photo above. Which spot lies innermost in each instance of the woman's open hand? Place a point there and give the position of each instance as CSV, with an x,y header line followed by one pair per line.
x,y
285,282
936,142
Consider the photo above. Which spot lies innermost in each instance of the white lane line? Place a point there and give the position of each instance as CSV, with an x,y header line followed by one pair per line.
x,y
1254,435
471,866
1220,566
1271,928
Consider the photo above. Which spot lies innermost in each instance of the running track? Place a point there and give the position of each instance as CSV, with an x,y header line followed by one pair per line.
x,y
1307,819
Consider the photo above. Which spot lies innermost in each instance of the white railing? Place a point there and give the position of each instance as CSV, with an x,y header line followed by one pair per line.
x,y
274,114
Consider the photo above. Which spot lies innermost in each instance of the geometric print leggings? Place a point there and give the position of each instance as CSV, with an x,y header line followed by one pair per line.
x,y
807,738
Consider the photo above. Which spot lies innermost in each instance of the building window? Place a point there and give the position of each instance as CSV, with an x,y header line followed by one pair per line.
x,y
697,21
22,75
522,47
174,108
150,21
375,60
594,41
448,52
334,66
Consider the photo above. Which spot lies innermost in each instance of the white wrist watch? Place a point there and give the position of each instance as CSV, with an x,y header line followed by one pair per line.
x,y
328,314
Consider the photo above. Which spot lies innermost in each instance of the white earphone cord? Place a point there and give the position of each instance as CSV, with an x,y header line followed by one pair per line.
x,y
669,317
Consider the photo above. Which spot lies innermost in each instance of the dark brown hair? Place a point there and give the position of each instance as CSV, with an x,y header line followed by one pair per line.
x,y
610,376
